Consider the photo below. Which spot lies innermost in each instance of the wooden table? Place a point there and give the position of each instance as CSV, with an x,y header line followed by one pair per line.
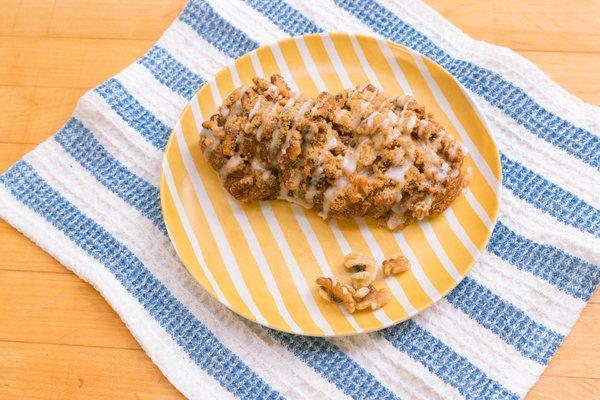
x,y
58,337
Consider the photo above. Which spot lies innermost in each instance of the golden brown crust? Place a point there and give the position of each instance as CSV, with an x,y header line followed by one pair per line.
x,y
453,190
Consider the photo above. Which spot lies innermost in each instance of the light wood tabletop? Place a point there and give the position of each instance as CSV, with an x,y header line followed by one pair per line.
x,y
59,339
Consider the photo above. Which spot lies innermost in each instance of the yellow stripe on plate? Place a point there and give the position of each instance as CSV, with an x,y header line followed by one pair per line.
x,y
242,262
462,108
261,259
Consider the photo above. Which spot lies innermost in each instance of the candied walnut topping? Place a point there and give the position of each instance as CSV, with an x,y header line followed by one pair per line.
x,y
361,279
362,295
395,265
336,291
375,299
359,262
356,153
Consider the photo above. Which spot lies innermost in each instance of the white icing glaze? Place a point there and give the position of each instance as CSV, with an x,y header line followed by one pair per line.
x,y
289,102
272,89
394,220
230,165
258,165
398,155
310,194
442,173
292,100
356,122
422,125
238,108
399,208
301,110
254,109
224,111
332,142
288,137
369,95
428,200
412,121
269,111
330,194
371,118
349,161
274,142
397,173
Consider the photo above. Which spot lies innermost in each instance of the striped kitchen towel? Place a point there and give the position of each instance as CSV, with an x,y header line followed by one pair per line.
x,y
89,196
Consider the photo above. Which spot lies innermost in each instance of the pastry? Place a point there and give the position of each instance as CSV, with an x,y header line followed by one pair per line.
x,y
358,153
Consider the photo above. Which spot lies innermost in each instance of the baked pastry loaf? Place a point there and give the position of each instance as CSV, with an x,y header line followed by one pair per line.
x,y
357,153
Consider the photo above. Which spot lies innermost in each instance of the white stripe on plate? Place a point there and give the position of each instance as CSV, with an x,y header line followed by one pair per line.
x,y
283,67
395,287
235,77
416,267
214,91
192,238
251,240
364,63
195,107
336,61
216,229
256,64
339,236
439,251
539,299
312,69
294,269
391,60
496,358
262,263
460,232
476,206
319,255
443,102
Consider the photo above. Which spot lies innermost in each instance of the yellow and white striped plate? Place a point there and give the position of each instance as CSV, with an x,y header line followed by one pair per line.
x,y
261,259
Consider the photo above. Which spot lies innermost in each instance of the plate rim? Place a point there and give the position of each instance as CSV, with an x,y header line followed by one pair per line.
x,y
398,47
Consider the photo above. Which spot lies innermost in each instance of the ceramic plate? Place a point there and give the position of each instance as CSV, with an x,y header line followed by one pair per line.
x,y
261,259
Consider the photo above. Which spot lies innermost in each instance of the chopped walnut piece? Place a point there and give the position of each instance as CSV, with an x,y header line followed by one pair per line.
x,y
359,262
361,279
395,265
362,292
337,292
376,299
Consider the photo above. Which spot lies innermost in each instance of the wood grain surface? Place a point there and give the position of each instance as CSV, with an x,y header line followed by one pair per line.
x,y
58,337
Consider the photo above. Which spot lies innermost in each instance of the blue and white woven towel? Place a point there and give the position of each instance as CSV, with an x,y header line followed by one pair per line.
x,y
89,196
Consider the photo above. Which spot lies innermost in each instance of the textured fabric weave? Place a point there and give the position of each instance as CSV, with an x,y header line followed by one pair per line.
x,y
89,196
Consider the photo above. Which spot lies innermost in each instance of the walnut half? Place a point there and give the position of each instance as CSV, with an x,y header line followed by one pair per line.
x,y
395,265
337,292
376,299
